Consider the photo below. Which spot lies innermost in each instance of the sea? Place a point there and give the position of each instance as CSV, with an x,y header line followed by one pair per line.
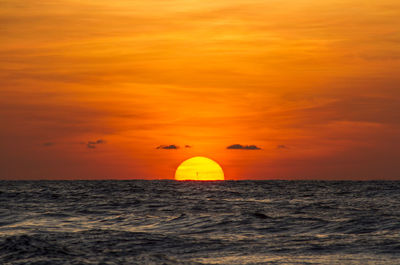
x,y
228,222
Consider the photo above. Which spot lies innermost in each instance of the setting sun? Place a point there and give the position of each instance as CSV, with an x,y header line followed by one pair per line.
x,y
199,168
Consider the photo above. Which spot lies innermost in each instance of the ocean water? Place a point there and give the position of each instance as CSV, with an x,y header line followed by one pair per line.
x,y
169,222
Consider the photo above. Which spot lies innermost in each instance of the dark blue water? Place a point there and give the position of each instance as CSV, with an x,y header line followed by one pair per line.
x,y
168,222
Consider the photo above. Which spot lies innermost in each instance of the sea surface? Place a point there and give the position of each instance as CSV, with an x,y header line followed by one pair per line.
x,y
170,222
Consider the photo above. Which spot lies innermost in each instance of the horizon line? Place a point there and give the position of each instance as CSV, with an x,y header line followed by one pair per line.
x,y
230,180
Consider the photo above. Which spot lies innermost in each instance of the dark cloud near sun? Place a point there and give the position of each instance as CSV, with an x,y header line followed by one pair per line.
x,y
93,144
243,147
188,146
168,147
282,146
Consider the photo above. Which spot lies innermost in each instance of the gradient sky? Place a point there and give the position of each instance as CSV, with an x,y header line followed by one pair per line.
x,y
90,89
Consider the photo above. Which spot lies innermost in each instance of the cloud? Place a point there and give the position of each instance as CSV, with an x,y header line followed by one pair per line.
x,y
281,146
369,109
243,147
100,141
167,147
188,146
48,144
93,144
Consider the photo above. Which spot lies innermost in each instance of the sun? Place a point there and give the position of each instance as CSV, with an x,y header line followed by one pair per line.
x,y
199,168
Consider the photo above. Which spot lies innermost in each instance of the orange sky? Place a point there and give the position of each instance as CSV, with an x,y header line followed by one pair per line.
x,y
315,84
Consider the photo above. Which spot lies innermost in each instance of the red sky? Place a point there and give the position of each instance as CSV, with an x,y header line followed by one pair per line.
x,y
314,84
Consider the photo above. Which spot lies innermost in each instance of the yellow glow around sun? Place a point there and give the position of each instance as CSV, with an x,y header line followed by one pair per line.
x,y
199,168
